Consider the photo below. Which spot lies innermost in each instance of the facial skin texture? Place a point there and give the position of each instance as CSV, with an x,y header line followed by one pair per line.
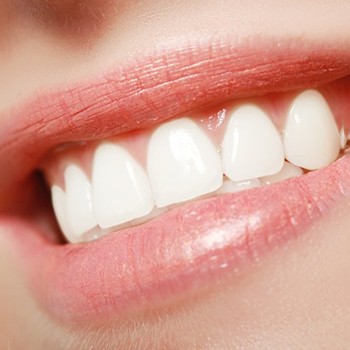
x,y
295,298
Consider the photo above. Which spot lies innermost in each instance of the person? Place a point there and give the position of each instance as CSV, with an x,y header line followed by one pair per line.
x,y
195,155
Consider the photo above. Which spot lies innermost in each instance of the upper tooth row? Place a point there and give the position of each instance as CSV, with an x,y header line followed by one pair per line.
x,y
183,164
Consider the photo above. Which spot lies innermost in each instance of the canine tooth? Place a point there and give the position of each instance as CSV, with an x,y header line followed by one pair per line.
x,y
182,163
58,197
121,189
79,201
287,172
252,146
230,186
311,137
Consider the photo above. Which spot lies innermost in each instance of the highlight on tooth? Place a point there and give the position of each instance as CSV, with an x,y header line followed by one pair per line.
x,y
121,190
252,146
304,148
182,160
182,163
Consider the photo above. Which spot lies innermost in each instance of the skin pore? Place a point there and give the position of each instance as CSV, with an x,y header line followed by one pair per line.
x,y
294,298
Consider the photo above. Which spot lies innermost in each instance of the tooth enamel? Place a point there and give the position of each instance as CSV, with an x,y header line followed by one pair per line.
x,y
80,215
252,146
229,186
154,213
287,172
60,208
121,190
311,137
343,138
182,163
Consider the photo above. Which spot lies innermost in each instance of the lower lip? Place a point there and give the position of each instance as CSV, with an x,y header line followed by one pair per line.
x,y
179,252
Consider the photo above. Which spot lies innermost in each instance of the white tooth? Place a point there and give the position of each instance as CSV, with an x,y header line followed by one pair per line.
x,y
252,146
229,186
182,163
343,138
287,172
154,213
79,201
311,137
58,197
121,190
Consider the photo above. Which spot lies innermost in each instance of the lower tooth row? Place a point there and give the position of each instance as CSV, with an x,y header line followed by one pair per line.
x,y
183,164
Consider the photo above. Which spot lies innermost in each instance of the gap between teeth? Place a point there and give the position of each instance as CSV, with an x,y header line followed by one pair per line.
x,y
183,163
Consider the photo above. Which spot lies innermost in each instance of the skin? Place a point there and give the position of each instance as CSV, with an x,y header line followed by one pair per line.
x,y
295,298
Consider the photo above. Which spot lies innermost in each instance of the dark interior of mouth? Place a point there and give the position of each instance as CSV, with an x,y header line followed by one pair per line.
x,y
31,201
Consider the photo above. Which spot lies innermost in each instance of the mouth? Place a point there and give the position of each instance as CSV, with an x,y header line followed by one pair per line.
x,y
173,171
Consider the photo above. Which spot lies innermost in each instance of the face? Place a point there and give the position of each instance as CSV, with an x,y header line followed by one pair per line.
x,y
174,175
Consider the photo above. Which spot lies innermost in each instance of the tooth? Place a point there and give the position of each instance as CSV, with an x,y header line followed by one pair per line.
x,y
121,190
182,163
154,213
311,137
252,146
60,208
79,201
343,138
229,186
287,172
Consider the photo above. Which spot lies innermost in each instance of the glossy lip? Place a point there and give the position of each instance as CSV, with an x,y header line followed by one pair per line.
x,y
180,252
189,246
164,84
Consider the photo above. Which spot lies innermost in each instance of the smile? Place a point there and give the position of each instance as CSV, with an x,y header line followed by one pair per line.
x,y
174,171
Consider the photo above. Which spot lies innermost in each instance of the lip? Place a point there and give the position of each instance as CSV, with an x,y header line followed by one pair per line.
x,y
175,254
190,246
165,83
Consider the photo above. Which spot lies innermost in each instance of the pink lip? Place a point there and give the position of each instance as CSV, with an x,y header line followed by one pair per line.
x,y
162,85
188,247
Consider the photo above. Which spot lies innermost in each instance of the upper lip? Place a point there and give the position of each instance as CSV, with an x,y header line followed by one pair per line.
x,y
198,239
160,86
